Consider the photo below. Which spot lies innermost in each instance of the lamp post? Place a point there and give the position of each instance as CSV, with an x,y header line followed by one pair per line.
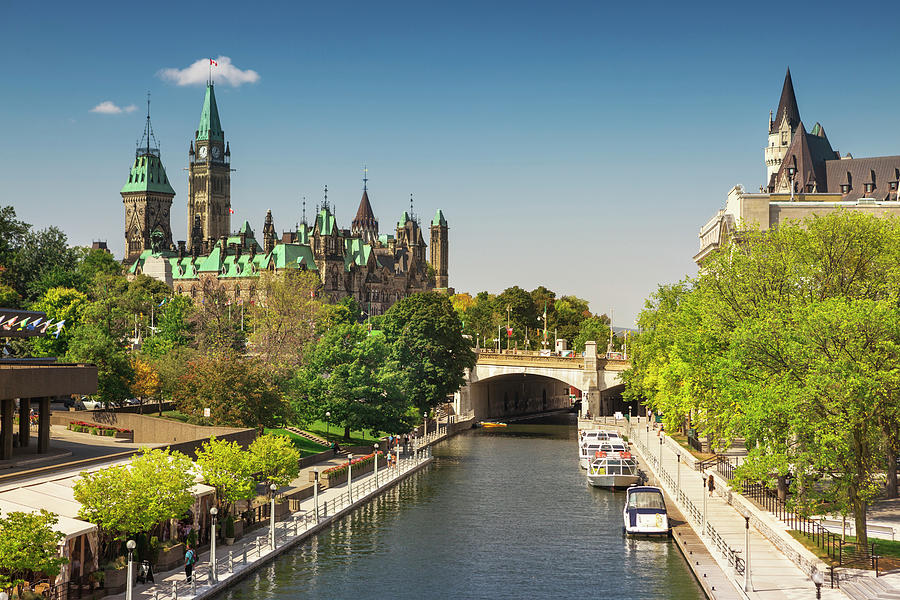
x,y
327,422
648,436
747,554
424,424
316,492
705,495
212,546
272,489
678,472
130,583
376,464
350,476
660,453
818,579
398,458
791,172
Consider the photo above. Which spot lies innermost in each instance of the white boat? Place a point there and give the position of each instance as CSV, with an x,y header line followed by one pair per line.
x,y
596,434
586,451
645,511
613,470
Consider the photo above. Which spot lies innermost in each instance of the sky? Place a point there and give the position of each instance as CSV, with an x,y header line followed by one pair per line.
x,y
575,145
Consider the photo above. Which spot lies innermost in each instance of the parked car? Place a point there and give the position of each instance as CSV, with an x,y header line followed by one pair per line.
x,y
86,403
131,402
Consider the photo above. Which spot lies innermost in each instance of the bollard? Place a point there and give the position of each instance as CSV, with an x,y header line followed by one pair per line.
x,y
231,561
193,584
175,590
325,513
295,527
245,555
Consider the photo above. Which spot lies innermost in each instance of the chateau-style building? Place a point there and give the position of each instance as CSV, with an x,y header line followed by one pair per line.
x,y
804,176
376,269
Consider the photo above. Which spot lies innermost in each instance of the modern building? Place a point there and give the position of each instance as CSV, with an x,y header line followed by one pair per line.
x,y
376,269
804,176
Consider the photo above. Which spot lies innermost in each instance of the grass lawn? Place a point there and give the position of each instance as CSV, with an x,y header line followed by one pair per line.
x,y
886,548
336,433
305,446
174,415
683,442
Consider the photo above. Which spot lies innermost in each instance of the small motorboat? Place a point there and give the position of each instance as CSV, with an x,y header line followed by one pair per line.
x,y
490,424
586,452
613,470
645,511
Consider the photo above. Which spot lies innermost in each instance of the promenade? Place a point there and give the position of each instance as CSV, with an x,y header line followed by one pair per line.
x,y
723,530
254,549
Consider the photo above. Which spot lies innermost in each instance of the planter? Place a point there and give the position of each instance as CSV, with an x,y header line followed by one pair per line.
x,y
229,541
125,435
333,479
238,528
114,580
170,557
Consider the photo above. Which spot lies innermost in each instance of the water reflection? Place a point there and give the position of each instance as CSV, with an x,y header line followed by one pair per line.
x,y
503,513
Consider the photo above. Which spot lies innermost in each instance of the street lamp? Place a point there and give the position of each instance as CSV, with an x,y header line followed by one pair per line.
x,y
316,492
425,424
376,464
747,554
212,546
818,578
130,584
350,476
678,472
705,495
327,422
660,454
272,489
791,172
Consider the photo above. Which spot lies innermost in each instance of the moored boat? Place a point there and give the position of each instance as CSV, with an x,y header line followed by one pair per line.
x,y
613,470
645,511
490,424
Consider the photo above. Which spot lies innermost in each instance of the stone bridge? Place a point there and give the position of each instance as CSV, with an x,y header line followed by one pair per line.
x,y
504,384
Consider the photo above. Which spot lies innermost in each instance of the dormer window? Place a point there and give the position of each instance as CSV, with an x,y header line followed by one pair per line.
x,y
870,187
845,188
893,185
809,188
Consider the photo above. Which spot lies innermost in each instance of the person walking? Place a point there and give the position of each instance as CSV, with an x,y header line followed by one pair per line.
x,y
190,557
711,485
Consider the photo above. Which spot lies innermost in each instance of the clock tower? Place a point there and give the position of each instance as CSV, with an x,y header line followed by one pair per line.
x,y
209,178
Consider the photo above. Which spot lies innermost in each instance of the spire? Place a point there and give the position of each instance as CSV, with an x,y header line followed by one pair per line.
x,y
210,127
365,177
787,106
304,210
144,147
325,206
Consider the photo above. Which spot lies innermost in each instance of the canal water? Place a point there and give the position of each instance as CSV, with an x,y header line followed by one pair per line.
x,y
502,513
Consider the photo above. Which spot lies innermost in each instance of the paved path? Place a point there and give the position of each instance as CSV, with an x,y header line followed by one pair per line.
x,y
171,585
772,574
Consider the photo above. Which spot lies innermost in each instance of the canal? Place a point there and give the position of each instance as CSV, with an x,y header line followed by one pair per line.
x,y
502,513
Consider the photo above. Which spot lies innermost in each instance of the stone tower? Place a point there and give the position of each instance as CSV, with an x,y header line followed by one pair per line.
x,y
781,128
148,199
209,178
439,250
268,233
365,225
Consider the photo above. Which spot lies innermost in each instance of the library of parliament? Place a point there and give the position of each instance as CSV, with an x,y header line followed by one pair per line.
x,y
376,269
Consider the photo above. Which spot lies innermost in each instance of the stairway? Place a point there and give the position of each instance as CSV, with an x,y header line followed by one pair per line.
x,y
869,588
305,434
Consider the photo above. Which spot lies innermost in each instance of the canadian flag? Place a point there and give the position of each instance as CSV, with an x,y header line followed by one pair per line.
x,y
231,211
509,332
213,63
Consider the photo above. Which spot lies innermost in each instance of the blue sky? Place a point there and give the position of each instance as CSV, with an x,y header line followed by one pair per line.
x,y
577,145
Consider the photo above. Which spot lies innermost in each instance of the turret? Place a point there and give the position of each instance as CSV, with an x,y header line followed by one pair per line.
x,y
439,250
268,233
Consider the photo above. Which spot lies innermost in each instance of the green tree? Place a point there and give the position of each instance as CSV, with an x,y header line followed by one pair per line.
x,y
522,314
43,261
350,373
593,329
124,502
216,323
173,327
228,468
283,317
426,340
275,458
29,546
91,343
59,304
570,312
94,261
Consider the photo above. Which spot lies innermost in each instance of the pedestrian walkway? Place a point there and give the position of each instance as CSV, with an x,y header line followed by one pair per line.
x,y
724,530
255,548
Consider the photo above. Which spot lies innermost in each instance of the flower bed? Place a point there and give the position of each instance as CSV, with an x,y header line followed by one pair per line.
x,y
338,473
97,429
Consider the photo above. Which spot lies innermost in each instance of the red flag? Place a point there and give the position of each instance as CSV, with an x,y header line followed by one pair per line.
x,y
509,332
214,63
231,211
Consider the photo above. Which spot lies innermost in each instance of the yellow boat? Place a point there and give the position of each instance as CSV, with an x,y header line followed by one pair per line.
x,y
491,424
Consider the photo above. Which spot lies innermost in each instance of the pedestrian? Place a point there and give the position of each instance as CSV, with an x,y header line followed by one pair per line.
x,y
711,485
190,557
334,448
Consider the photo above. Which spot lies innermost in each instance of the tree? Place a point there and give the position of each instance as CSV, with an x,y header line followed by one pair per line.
x,y
173,327
522,313
570,312
59,304
240,391
94,261
426,340
29,545
275,458
350,373
44,260
594,329
228,468
283,317
217,328
91,343
124,502
146,382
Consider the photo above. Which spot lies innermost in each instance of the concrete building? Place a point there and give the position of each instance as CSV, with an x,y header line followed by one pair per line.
x,y
804,176
374,268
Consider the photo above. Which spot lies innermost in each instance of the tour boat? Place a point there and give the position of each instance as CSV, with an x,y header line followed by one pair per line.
x,y
490,424
586,452
645,511
613,470
613,445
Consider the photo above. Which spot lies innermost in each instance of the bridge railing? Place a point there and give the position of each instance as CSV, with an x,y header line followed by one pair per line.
x,y
532,359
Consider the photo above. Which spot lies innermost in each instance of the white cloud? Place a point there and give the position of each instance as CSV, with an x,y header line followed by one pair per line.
x,y
201,70
107,107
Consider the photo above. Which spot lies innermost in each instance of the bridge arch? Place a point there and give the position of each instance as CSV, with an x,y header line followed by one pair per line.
x,y
512,394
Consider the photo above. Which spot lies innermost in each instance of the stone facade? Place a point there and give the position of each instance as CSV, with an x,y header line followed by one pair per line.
x,y
804,177
375,269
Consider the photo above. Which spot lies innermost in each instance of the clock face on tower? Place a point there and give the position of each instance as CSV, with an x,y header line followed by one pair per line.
x,y
216,151
202,152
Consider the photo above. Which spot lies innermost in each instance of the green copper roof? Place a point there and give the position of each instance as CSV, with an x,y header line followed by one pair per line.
x,y
356,252
404,218
325,222
303,234
291,256
210,127
439,219
384,238
148,175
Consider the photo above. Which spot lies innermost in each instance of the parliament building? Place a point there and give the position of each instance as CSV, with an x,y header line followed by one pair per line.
x,y
374,268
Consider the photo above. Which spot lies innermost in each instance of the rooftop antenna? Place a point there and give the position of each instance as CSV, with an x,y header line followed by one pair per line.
x,y
365,177
144,146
